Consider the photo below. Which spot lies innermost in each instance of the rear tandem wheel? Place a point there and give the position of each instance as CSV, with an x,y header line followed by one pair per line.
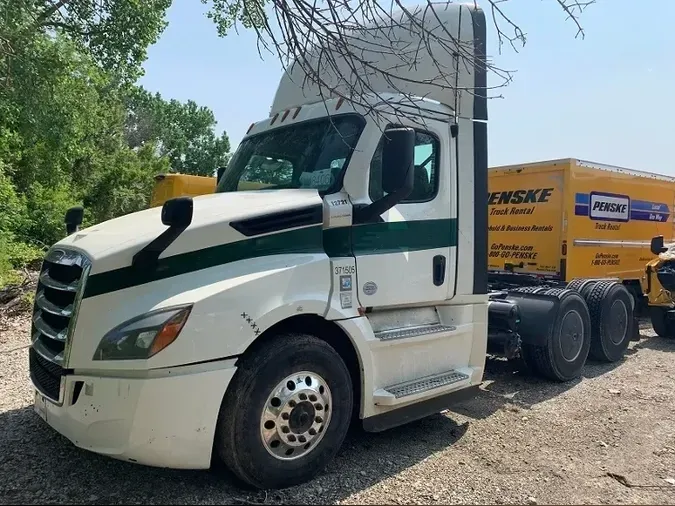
x,y
564,354
611,309
583,286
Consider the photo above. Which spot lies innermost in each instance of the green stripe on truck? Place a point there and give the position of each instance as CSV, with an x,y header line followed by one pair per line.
x,y
366,239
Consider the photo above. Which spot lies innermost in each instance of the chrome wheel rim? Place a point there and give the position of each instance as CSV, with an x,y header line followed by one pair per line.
x,y
296,415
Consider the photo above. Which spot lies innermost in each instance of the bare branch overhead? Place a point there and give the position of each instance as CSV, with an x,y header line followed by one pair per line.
x,y
339,46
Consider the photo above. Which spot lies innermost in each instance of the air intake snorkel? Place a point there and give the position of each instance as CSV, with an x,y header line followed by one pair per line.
x,y
177,215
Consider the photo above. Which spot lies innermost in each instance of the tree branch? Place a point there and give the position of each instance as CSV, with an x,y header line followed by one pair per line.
x,y
55,7
340,45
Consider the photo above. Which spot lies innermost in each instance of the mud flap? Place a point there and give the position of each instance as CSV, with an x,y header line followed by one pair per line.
x,y
635,331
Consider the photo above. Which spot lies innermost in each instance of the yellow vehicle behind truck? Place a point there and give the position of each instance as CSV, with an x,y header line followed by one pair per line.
x,y
168,186
659,287
568,219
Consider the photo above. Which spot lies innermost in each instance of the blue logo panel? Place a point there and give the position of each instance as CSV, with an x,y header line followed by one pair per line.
x,y
613,207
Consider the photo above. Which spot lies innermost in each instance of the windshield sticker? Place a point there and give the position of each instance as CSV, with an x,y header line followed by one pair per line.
x,y
317,179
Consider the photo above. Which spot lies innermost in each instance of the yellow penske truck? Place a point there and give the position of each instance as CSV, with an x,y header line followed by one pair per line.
x,y
561,221
338,274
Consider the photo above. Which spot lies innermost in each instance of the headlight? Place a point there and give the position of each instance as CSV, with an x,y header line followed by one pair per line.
x,y
143,336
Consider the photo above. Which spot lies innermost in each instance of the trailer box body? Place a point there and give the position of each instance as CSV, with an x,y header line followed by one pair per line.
x,y
568,218
168,186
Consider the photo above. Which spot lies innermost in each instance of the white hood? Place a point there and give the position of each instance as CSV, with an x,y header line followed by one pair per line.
x,y
112,244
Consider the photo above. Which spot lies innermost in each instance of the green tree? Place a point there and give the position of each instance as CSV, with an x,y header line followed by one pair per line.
x,y
183,132
74,130
123,184
63,111
115,33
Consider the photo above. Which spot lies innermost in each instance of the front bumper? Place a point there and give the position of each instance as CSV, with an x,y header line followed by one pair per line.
x,y
166,421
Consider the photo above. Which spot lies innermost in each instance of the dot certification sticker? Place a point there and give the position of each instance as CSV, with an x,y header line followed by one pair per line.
x,y
346,283
346,300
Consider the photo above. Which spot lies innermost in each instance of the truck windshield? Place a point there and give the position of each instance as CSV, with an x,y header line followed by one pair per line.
x,y
304,155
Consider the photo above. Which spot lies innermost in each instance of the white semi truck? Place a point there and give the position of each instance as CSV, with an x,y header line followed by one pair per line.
x,y
254,325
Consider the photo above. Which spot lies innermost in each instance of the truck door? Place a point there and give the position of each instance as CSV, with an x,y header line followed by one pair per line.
x,y
409,256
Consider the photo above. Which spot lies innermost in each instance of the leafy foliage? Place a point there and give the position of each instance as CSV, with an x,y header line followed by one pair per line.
x,y
226,13
75,130
115,33
184,133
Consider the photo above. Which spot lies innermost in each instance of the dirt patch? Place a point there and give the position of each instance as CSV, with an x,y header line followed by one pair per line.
x,y
607,438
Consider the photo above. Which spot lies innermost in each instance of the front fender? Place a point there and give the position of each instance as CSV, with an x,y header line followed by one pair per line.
x,y
233,304
229,315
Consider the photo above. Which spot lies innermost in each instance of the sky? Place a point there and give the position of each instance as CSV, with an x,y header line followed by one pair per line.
x,y
605,98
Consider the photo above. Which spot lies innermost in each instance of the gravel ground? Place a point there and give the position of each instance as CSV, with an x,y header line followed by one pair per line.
x,y
607,438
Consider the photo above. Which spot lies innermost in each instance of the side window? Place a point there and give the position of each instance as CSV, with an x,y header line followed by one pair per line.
x,y
426,170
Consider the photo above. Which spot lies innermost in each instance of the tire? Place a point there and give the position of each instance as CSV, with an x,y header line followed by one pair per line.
x,y
250,419
611,309
529,289
660,324
583,286
575,284
586,289
571,330
555,292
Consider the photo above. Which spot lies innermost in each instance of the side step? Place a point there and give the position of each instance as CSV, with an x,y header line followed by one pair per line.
x,y
418,388
402,333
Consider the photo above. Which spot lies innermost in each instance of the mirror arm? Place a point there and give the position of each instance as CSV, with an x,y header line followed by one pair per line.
x,y
380,206
148,256
219,173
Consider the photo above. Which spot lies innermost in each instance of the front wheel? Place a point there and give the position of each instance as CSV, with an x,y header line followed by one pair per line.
x,y
286,412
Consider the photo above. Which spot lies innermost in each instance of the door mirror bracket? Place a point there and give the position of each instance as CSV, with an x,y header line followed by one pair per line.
x,y
398,173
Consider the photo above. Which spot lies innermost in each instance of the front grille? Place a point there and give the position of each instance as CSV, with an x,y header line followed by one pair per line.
x,y
46,375
59,288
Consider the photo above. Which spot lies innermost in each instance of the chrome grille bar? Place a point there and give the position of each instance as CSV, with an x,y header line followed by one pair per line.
x,y
45,329
45,305
45,352
57,299
47,281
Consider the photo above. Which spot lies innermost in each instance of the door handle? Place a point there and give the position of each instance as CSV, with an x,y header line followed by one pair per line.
x,y
439,270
